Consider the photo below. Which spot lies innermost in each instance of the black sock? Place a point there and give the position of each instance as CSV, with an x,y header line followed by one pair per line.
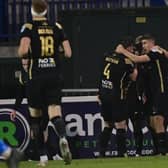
x,y
139,142
52,142
59,126
38,135
121,142
161,142
137,131
155,141
104,138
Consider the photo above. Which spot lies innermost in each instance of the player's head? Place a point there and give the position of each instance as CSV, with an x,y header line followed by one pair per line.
x,y
138,44
39,8
128,43
148,42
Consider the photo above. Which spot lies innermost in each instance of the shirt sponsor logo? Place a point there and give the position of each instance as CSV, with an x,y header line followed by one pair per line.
x,y
46,63
107,84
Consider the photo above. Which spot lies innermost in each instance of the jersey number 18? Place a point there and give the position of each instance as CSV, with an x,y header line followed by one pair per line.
x,y
47,45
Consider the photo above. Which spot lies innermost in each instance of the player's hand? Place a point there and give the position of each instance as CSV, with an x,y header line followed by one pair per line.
x,y
144,99
120,49
158,49
13,115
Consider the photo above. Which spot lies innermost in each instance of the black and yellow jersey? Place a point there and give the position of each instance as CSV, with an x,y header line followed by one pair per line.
x,y
44,48
158,72
115,79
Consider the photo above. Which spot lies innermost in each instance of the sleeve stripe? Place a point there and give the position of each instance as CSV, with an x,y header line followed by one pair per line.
x,y
58,25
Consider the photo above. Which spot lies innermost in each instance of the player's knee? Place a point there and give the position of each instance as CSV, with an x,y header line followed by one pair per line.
x,y
54,111
108,124
35,127
158,123
35,112
121,125
158,120
36,130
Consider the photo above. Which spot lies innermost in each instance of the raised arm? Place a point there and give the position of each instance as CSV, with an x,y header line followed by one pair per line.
x,y
134,75
135,58
165,52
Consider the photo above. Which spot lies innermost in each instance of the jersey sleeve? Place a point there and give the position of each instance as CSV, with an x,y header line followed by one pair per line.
x,y
26,30
129,65
63,36
153,55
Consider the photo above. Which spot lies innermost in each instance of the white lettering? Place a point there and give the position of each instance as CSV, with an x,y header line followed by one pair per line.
x,y
91,118
107,84
75,127
147,152
75,124
43,61
46,63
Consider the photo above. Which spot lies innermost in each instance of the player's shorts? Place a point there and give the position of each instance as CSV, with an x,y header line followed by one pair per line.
x,y
163,104
44,90
158,106
114,111
134,103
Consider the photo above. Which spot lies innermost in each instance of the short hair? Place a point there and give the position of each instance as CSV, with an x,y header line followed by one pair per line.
x,y
39,6
138,39
147,37
127,41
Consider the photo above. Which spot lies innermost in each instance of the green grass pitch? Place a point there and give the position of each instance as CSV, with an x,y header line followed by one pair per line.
x,y
131,162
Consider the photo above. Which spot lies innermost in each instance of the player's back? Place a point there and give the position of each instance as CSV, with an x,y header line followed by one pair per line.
x,y
114,77
158,72
44,47
45,39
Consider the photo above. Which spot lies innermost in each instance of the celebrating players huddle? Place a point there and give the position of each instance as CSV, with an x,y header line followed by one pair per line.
x,y
148,65
134,77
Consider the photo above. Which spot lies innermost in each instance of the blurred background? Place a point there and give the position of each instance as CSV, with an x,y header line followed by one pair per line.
x,y
93,28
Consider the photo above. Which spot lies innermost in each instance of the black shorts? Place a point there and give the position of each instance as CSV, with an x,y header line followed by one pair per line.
x,y
158,105
163,104
114,111
134,104
44,90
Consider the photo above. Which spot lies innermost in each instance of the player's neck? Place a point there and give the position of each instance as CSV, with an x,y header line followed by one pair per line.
x,y
39,18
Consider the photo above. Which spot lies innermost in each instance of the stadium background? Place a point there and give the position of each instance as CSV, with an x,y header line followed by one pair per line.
x,y
93,28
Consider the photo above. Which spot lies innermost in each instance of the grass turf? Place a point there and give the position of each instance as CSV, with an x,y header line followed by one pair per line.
x,y
132,162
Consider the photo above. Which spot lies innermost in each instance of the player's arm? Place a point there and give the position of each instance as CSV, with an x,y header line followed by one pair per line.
x,y
65,42
25,39
131,56
24,46
67,48
165,52
134,74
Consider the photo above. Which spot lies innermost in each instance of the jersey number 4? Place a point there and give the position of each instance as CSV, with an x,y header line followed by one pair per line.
x,y
47,45
106,71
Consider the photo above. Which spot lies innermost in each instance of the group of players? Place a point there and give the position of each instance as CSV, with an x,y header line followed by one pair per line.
x,y
39,50
134,79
